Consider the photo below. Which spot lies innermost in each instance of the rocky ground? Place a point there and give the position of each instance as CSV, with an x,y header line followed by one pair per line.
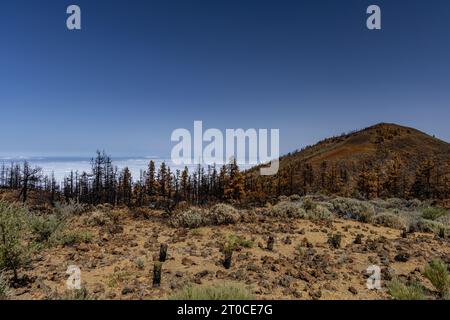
x,y
117,263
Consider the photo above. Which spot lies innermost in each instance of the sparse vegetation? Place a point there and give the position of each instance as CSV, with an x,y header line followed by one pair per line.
x,y
73,237
196,232
116,278
76,294
219,292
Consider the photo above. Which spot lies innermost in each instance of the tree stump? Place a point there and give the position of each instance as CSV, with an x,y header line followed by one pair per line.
x,y
157,268
228,255
163,252
270,243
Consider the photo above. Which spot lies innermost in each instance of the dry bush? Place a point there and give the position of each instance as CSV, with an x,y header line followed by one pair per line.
x,y
334,240
70,208
195,217
353,209
222,214
142,213
319,212
287,209
390,220
295,198
98,219
191,218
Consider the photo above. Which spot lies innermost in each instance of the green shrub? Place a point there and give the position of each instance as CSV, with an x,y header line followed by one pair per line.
x,y
286,209
4,287
353,209
44,227
436,271
13,252
216,292
234,242
433,213
435,227
400,291
70,238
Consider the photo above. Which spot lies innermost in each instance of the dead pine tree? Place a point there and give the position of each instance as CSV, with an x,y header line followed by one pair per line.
x,y
163,252
157,268
404,233
30,176
228,255
270,243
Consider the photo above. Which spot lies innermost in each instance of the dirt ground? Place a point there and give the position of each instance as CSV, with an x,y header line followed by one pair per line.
x,y
302,265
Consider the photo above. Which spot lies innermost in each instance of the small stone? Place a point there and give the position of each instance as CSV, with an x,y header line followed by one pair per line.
x,y
127,290
187,262
353,290
315,295
98,288
179,274
305,276
402,257
202,274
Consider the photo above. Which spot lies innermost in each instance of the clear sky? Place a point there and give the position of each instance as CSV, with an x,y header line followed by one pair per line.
x,y
140,69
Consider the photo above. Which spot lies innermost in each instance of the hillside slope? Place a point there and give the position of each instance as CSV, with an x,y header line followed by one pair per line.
x,y
337,163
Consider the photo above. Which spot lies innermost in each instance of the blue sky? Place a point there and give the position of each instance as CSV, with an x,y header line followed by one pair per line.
x,y
140,69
